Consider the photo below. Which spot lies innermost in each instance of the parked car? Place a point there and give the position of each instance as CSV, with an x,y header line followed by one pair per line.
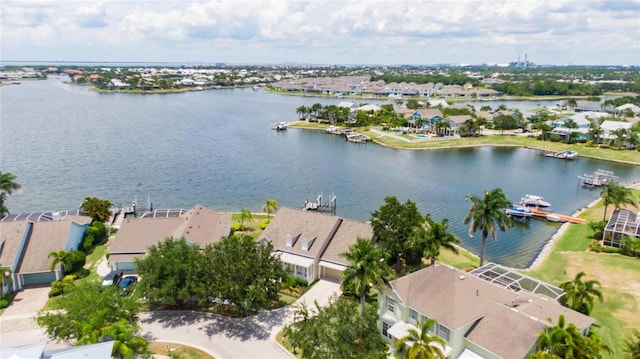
x,y
126,283
110,279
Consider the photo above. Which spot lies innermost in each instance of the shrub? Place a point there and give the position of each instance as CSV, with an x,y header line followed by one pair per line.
x,y
236,227
6,300
264,224
61,287
591,144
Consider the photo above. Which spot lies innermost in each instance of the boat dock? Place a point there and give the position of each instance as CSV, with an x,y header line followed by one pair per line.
x,y
556,217
565,155
319,206
598,178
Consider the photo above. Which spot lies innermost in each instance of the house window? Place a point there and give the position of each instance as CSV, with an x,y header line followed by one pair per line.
x,y
385,329
443,332
413,315
391,304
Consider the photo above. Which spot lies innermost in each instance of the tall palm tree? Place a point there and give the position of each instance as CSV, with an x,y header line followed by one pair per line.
x,y
270,206
367,269
487,215
437,236
580,295
422,344
631,346
8,184
617,195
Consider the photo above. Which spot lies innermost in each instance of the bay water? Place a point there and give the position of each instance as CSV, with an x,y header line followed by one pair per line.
x,y
217,148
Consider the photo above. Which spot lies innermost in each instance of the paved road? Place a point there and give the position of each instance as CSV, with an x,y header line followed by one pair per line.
x,y
222,337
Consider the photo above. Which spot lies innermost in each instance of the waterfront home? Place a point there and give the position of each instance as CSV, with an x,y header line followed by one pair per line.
x,y
627,108
457,126
490,313
562,128
198,225
610,127
425,117
622,223
309,243
25,246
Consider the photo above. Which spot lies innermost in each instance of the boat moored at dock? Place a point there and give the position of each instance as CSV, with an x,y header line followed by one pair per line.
x,y
530,200
280,126
518,212
565,155
598,178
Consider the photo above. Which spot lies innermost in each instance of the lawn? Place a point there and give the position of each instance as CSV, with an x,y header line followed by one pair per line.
x,y
172,350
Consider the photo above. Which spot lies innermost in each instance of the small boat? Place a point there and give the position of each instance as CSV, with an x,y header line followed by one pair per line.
x,y
280,126
565,155
530,200
518,212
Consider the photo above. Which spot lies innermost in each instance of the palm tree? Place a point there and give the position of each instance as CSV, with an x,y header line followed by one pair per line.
x,y
368,268
422,344
631,346
487,214
97,208
64,258
621,135
571,103
579,295
566,341
270,206
245,215
437,236
8,184
616,195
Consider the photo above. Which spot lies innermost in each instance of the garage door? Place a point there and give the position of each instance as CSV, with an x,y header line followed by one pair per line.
x,y
331,274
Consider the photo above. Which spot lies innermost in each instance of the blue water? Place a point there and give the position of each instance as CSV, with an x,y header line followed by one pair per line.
x,y
217,148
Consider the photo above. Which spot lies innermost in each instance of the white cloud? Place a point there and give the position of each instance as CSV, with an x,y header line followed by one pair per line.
x,y
91,16
357,31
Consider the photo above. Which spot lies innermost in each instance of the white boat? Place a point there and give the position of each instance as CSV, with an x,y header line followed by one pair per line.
x,y
530,200
518,212
280,126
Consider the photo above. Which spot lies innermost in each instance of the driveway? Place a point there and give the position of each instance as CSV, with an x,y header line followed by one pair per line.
x,y
229,338
18,321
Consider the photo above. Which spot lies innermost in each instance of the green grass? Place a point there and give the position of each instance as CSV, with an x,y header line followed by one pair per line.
x,y
463,260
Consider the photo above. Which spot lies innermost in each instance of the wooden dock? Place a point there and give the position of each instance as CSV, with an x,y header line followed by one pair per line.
x,y
556,217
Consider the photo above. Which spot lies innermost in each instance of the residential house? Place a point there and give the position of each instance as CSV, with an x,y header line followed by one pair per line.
x,y
490,313
609,127
628,107
427,116
25,246
581,120
37,351
199,225
309,243
456,126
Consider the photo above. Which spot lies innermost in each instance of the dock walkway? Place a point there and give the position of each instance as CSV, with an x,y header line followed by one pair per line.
x,y
556,217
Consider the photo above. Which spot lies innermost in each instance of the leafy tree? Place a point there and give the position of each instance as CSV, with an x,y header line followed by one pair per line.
x,y
339,330
631,345
89,315
238,275
437,236
395,225
367,269
97,208
270,206
487,215
5,274
571,103
617,195
421,344
504,122
580,295
8,184
245,215
169,273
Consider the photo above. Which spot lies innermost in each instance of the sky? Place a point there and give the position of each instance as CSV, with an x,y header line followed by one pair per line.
x,y
585,32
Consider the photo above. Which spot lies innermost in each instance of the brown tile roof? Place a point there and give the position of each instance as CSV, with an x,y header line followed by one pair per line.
x,y
347,234
46,237
10,235
507,323
430,113
459,119
199,225
316,228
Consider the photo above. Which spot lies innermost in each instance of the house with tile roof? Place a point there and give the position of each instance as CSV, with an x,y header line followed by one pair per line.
x,y
309,243
477,317
25,246
199,225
